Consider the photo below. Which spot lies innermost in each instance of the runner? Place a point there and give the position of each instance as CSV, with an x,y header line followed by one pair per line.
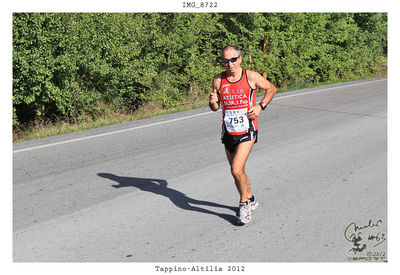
x,y
235,91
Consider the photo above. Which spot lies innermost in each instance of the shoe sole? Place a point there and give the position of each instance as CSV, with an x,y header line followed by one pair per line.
x,y
243,222
240,222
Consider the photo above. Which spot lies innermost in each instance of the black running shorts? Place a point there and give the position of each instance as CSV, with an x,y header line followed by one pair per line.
x,y
232,141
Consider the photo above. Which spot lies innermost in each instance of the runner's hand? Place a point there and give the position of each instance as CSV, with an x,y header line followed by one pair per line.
x,y
254,112
213,97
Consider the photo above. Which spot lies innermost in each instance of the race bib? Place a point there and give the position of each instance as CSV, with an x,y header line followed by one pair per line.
x,y
236,121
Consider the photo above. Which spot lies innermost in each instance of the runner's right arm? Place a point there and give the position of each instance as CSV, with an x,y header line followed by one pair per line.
x,y
214,99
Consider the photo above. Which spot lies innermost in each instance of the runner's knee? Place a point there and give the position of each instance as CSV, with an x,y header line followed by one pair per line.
x,y
237,171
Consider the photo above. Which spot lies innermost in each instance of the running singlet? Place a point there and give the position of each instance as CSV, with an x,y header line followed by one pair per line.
x,y
237,98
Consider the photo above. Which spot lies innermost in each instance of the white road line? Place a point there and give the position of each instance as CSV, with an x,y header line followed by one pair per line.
x,y
111,133
327,89
181,118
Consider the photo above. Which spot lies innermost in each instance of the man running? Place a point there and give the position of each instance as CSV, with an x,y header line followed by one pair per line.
x,y
235,91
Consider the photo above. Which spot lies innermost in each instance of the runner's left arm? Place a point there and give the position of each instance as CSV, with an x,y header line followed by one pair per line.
x,y
264,84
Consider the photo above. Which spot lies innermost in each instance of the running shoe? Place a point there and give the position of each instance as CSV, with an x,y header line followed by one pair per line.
x,y
253,204
244,215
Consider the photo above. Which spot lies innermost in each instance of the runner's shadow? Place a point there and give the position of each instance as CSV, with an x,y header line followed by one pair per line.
x,y
181,200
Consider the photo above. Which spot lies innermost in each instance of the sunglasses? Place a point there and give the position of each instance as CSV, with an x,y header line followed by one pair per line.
x,y
225,61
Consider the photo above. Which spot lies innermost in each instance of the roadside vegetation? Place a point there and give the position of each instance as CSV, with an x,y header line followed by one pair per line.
x,y
75,71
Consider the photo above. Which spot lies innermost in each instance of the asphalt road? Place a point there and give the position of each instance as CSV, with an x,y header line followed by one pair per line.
x,y
160,189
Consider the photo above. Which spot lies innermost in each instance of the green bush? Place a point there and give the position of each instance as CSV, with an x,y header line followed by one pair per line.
x,y
66,64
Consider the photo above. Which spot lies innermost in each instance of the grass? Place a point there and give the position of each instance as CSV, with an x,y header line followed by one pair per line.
x,y
41,129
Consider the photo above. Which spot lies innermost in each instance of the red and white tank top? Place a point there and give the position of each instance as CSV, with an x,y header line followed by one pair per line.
x,y
236,99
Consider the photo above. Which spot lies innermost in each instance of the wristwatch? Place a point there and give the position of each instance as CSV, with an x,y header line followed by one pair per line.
x,y
263,105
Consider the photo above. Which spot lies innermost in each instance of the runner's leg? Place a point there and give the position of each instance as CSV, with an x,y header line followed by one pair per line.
x,y
237,161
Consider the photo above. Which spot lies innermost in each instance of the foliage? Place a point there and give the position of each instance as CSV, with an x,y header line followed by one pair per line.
x,y
67,65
